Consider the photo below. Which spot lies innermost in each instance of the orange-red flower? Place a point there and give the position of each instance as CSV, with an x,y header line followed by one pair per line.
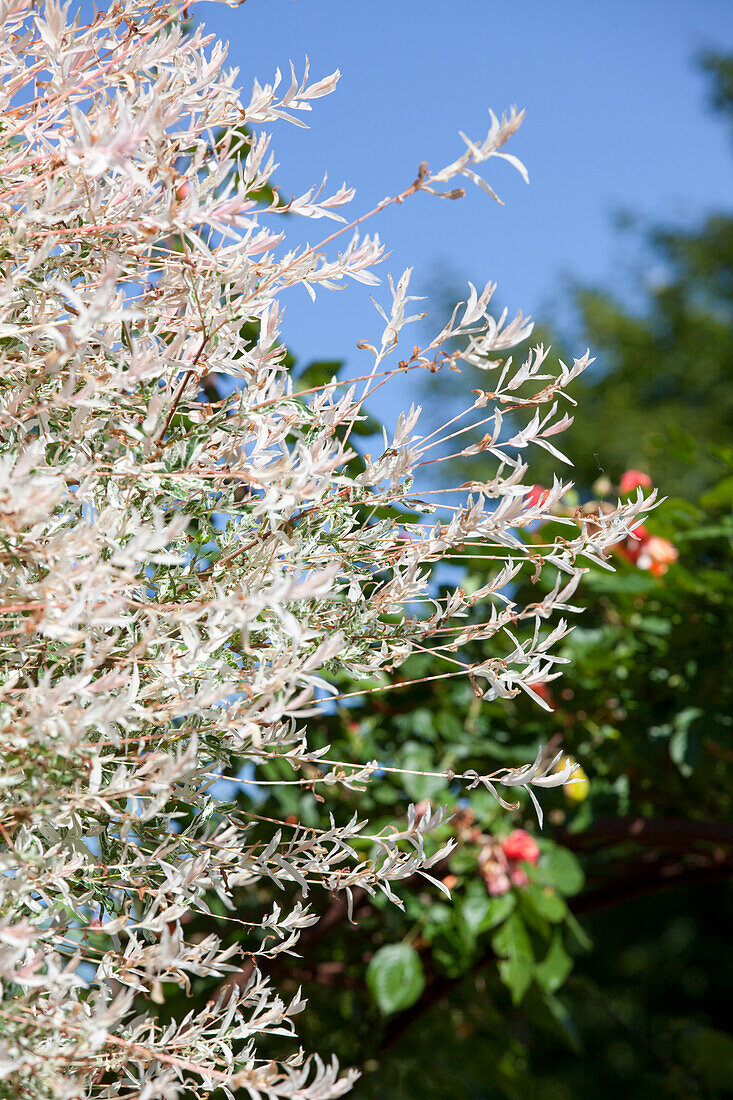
x,y
648,551
656,555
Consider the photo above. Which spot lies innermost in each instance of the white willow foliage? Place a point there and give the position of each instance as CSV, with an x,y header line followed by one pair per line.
x,y
179,577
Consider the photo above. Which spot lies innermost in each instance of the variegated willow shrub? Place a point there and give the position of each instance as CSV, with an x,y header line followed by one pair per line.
x,y
183,576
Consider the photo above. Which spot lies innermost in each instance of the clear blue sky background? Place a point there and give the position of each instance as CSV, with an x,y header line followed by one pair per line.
x,y
616,119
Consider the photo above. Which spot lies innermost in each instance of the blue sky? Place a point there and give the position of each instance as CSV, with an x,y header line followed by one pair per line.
x,y
616,119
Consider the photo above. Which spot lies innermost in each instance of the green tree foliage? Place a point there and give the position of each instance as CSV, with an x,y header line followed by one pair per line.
x,y
666,371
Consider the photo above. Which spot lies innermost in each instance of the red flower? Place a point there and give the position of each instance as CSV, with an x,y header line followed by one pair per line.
x,y
632,547
537,496
541,689
633,479
520,845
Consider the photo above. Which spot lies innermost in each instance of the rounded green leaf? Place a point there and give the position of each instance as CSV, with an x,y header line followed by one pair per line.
x,y
545,901
562,870
395,977
555,967
512,939
516,974
476,908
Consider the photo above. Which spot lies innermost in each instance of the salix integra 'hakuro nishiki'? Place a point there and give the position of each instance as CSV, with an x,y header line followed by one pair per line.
x,y
182,575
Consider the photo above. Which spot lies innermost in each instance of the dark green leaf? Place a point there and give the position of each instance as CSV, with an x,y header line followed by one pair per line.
x,y
566,1024
481,912
516,974
561,869
556,965
512,939
395,977
546,901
